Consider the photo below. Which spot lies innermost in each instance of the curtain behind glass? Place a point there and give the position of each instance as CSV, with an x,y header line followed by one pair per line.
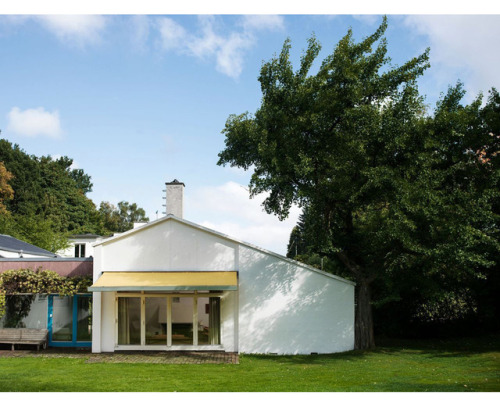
x,y
129,321
214,319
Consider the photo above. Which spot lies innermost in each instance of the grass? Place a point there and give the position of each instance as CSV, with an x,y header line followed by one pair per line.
x,y
465,365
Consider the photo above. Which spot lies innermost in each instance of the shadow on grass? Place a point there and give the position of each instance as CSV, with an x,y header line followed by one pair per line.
x,y
442,347
310,359
427,387
456,347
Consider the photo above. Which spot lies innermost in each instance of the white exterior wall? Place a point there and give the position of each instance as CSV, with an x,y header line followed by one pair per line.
x,y
97,304
285,308
107,322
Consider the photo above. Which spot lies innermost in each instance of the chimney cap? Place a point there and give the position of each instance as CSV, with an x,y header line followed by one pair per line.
x,y
175,182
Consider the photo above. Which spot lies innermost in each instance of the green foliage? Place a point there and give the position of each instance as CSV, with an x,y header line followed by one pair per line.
x,y
2,303
17,307
27,281
49,201
6,191
448,306
120,219
301,247
395,197
34,229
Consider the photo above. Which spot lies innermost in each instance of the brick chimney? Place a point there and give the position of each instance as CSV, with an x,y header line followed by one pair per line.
x,y
175,198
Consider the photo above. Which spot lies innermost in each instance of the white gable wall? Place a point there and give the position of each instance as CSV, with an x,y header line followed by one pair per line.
x,y
171,246
285,308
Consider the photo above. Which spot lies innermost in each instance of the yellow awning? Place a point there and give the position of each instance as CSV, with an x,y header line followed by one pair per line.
x,y
166,281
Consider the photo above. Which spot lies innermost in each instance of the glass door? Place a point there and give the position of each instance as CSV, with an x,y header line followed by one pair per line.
x,y
70,320
62,319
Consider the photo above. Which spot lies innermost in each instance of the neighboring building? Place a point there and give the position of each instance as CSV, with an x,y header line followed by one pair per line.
x,y
175,285
10,247
68,319
80,246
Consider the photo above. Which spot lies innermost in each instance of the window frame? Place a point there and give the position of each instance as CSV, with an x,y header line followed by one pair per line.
x,y
80,250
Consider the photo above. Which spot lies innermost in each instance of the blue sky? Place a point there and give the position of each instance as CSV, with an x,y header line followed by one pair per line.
x,y
140,100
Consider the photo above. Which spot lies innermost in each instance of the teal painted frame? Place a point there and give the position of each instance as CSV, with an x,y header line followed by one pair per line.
x,y
66,344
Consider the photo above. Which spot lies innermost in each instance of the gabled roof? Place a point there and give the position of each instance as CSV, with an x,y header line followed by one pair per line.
x,y
171,217
11,244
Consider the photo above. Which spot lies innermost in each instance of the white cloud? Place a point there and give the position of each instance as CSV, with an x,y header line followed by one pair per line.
x,y
369,19
173,35
263,22
77,30
228,50
208,42
230,55
139,32
464,47
228,209
34,122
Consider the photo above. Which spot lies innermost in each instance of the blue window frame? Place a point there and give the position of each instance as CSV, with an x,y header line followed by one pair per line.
x,y
67,318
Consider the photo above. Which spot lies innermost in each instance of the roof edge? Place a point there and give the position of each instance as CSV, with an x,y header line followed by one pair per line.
x,y
45,259
224,236
22,251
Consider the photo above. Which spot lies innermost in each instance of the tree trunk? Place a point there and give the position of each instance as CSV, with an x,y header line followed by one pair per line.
x,y
363,331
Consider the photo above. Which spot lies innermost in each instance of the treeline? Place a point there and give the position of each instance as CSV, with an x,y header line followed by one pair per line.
x,y
43,200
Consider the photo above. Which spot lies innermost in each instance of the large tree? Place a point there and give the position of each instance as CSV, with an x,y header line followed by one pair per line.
x,y
352,144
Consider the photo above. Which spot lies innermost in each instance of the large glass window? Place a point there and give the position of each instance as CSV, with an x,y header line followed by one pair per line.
x,y
168,320
182,321
156,321
129,321
25,311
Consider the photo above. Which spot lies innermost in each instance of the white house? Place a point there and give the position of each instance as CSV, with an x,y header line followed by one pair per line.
x,y
174,285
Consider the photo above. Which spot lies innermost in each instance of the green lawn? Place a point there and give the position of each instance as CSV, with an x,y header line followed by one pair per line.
x,y
444,366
